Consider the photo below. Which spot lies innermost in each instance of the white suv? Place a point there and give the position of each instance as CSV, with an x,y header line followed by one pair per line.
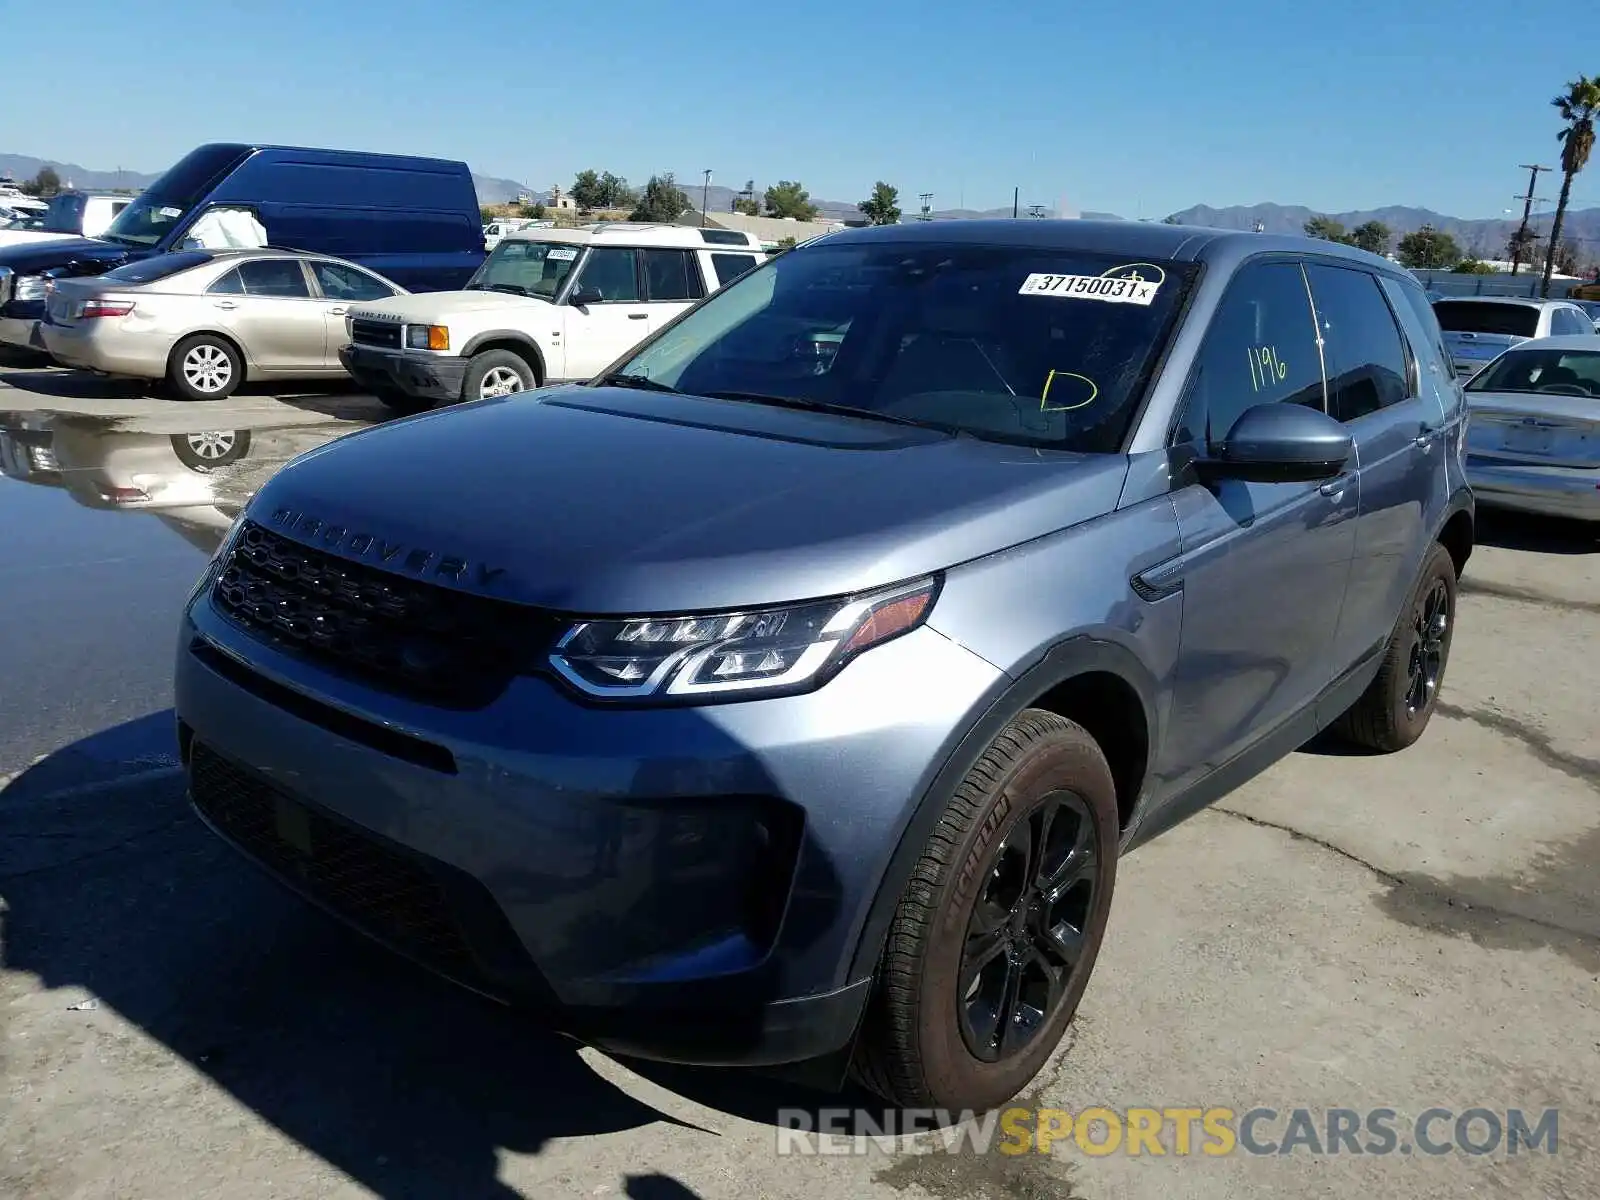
x,y
1479,329
547,306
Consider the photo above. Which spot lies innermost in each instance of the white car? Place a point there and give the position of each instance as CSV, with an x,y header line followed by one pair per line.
x,y
70,215
547,306
1478,329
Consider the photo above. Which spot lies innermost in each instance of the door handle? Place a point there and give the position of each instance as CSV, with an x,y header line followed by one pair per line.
x,y
226,304
337,312
1334,488
1428,436
637,316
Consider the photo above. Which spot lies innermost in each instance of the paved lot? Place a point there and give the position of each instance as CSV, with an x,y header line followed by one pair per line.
x,y
1346,932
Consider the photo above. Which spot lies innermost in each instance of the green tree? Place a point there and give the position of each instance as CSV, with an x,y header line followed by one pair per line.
x,y
787,243
1371,236
1567,259
1471,266
615,192
883,206
1428,250
488,213
662,201
787,198
1327,229
45,183
748,207
1578,106
533,212
588,193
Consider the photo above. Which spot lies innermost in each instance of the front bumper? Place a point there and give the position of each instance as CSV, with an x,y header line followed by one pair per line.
x,y
1572,492
414,372
684,884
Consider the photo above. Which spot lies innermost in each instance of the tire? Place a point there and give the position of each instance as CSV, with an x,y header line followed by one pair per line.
x,y
500,370
187,373
1397,705
920,1046
205,452
400,403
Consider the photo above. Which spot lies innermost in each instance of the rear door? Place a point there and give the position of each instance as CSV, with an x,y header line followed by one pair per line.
x,y
1478,331
267,304
672,283
339,285
1375,389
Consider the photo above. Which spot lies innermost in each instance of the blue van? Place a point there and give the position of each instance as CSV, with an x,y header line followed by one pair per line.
x,y
415,220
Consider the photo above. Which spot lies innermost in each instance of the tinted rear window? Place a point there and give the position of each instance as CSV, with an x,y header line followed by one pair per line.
x,y
162,266
1513,320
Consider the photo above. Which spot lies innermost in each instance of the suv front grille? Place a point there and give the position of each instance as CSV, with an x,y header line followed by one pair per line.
x,y
375,333
386,894
414,639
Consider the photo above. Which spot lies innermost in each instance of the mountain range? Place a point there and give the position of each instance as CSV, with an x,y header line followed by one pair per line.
x,y
1479,238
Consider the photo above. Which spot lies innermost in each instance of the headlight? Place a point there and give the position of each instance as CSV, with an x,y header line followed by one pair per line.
x,y
729,655
427,337
28,287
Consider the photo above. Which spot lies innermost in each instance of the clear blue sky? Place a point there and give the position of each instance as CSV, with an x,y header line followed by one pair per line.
x,y
1138,108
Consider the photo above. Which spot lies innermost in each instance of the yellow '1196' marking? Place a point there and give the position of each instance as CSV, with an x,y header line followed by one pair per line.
x,y
1266,368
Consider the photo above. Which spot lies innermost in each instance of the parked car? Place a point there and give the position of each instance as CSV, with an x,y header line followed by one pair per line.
x,y
413,220
1478,329
1591,309
547,305
70,215
746,706
208,320
1534,444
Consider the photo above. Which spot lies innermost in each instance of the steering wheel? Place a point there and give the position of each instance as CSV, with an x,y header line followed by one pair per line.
x,y
1566,389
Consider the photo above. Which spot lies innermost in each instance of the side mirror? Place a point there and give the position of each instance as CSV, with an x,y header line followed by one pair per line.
x,y
583,296
1281,443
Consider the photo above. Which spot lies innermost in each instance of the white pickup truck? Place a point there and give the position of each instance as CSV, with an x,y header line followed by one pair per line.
x,y
70,215
547,306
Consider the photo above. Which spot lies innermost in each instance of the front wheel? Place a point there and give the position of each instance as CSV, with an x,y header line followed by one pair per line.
x,y
496,373
1396,707
997,932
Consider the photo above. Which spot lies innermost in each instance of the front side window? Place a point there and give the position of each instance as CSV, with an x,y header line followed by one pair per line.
x,y
1261,348
1363,353
280,278
612,274
341,282
1029,345
672,275
1553,372
525,268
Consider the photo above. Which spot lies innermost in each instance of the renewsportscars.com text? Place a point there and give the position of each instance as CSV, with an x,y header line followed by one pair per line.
x,y
1215,1132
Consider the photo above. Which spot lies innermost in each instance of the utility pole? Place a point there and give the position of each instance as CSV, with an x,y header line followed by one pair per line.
x,y
1533,170
927,206
1016,197
705,193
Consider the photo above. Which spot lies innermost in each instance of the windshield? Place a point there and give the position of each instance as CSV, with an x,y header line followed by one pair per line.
x,y
1464,316
526,268
167,201
1554,372
1590,307
146,221
1037,346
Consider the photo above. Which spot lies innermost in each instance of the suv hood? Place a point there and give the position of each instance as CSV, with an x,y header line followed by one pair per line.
x,y
606,501
80,256
431,306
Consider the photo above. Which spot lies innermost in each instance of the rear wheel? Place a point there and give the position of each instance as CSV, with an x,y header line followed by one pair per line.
x,y
1396,707
205,367
205,452
997,932
496,373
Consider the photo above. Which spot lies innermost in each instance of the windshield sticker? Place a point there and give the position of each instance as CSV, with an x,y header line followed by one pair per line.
x,y
170,212
1132,283
562,254
1067,401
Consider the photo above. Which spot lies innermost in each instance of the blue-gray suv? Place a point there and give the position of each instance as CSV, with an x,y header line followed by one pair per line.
x,y
788,693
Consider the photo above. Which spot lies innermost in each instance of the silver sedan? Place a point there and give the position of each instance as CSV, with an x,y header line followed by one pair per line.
x,y
207,320
1533,443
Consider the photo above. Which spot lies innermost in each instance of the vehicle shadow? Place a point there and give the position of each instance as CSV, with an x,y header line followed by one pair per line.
x,y
1534,534
407,1084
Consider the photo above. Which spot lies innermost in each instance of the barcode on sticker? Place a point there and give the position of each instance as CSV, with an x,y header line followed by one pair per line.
x,y
1091,287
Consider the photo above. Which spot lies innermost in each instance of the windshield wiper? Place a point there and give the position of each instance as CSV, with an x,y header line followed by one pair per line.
x,y
824,406
516,289
643,382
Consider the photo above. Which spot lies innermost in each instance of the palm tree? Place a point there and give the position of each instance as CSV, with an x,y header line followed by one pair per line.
x,y
1578,106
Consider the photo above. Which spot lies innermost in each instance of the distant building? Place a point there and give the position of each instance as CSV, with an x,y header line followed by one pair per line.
x,y
768,230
